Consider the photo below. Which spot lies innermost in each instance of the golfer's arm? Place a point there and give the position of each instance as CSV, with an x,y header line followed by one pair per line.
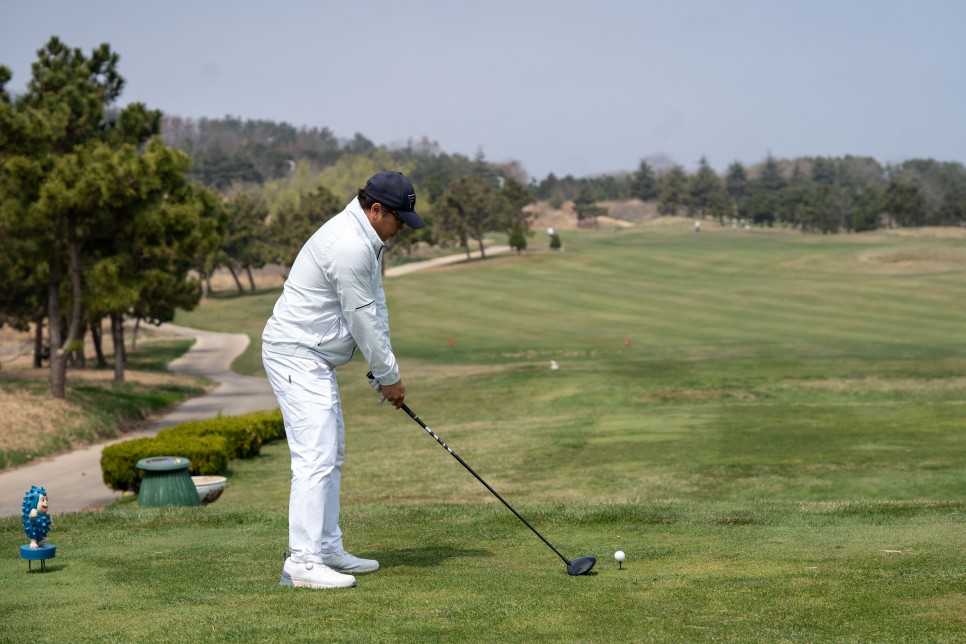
x,y
365,313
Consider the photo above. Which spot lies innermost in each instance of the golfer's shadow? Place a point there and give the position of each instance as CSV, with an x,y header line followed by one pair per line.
x,y
423,557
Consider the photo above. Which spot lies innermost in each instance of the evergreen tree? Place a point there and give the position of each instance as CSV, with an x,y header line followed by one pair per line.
x,y
586,205
738,189
245,243
518,239
704,189
468,209
766,193
70,167
674,191
292,226
794,204
904,203
517,197
643,184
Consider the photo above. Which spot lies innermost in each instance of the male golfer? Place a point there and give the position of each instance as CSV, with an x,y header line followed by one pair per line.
x,y
332,304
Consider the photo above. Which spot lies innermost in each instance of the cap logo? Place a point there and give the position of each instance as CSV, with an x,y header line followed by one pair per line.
x,y
412,201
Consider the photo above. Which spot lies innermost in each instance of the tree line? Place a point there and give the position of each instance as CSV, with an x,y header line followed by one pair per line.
x,y
813,194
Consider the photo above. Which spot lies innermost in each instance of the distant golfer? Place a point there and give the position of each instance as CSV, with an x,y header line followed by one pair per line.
x,y
332,304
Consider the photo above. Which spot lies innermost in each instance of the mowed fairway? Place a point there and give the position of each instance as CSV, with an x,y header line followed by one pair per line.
x,y
780,450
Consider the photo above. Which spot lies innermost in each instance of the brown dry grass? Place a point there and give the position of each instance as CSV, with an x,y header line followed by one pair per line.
x,y
29,417
689,395
879,385
270,276
941,232
620,215
876,385
16,348
149,378
26,418
916,258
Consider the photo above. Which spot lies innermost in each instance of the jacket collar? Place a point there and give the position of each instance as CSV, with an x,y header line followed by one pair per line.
x,y
360,215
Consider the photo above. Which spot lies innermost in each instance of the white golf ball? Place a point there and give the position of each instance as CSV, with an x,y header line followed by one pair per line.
x,y
619,555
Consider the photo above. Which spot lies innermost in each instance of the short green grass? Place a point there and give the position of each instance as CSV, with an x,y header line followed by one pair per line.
x,y
780,451
465,572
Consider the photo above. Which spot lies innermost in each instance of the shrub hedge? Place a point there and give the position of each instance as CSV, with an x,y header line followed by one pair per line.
x,y
267,424
208,444
208,455
243,440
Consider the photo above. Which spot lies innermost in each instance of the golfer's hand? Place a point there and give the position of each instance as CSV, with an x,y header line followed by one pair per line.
x,y
395,394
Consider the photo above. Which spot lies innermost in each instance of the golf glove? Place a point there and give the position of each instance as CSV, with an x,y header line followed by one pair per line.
x,y
374,383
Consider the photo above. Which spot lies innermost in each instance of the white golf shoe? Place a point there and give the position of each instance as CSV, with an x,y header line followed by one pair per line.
x,y
344,562
313,575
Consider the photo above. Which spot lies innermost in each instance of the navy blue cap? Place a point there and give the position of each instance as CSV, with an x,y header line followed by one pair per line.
x,y
394,191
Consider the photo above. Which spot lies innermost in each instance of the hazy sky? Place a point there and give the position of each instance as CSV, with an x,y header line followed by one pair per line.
x,y
569,87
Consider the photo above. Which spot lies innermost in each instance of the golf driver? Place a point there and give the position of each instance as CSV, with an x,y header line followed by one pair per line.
x,y
579,566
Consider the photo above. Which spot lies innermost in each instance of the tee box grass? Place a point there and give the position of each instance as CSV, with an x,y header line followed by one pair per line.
x,y
770,425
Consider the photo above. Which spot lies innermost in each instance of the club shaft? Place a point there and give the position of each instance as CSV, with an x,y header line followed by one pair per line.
x,y
480,479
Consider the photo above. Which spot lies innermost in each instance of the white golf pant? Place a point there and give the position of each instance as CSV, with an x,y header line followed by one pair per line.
x,y
308,396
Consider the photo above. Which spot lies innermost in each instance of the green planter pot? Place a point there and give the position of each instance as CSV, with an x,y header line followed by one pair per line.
x,y
166,482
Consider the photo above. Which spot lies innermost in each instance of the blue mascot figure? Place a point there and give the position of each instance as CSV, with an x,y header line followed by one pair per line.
x,y
36,521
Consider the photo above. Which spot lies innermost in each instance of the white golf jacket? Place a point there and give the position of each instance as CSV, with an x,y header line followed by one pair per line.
x,y
333,300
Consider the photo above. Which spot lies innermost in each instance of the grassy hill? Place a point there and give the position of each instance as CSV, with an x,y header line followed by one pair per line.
x,y
780,449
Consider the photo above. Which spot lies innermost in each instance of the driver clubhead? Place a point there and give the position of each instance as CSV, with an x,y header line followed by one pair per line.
x,y
581,566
